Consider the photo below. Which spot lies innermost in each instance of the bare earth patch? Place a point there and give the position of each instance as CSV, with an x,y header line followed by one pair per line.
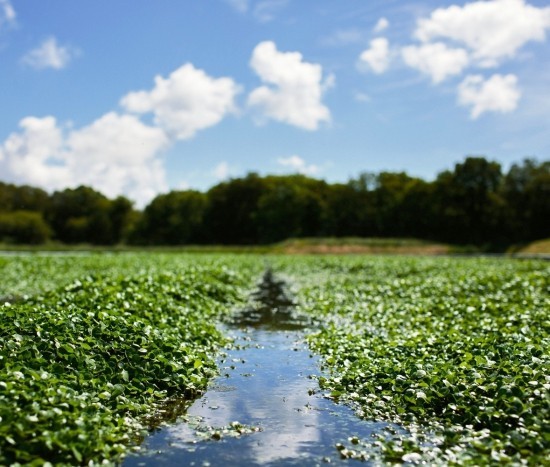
x,y
434,249
538,247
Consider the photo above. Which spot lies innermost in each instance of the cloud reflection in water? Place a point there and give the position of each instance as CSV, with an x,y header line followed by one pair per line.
x,y
268,387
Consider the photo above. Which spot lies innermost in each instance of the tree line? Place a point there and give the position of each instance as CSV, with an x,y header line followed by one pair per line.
x,y
476,203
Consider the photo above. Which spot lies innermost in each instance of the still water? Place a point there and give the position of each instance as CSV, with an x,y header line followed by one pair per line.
x,y
266,407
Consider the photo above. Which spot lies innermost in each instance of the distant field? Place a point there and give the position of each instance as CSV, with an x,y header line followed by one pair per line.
x,y
314,245
453,349
538,247
355,245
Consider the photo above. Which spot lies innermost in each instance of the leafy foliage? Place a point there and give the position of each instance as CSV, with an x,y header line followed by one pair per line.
x,y
84,215
27,227
173,218
457,350
83,367
473,204
454,349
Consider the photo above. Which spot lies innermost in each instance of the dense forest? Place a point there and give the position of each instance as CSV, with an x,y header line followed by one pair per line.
x,y
476,203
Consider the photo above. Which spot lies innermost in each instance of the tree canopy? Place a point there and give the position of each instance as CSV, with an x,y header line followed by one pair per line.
x,y
475,203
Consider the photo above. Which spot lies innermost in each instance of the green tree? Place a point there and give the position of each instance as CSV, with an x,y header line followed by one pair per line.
x,y
174,218
291,206
345,211
389,193
122,217
230,216
526,189
469,206
416,210
24,227
82,215
23,198
363,187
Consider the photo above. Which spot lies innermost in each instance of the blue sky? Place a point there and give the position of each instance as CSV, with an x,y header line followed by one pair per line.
x,y
139,97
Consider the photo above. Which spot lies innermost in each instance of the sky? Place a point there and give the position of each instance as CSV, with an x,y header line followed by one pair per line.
x,y
139,97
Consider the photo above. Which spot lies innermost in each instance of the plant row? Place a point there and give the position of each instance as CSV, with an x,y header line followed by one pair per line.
x,y
455,350
87,368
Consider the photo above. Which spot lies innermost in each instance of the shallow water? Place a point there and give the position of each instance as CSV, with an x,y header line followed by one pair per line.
x,y
268,384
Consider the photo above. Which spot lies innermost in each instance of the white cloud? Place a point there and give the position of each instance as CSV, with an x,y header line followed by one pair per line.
x,y
49,54
239,5
266,10
221,171
263,11
381,25
377,57
115,154
436,60
493,30
343,37
497,94
361,97
294,87
187,101
184,185
34,155
297,164
7,13
118,153
478,34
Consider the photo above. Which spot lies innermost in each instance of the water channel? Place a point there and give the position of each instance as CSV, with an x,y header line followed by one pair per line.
x,y
266,407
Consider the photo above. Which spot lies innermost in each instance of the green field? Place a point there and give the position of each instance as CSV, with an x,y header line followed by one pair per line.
x,y
455,350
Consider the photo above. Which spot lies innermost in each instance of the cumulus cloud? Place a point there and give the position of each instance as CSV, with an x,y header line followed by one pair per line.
x,y
436,60
49,54
34,154
381,25
118,153
7,13
377,56
492,30
497,94
293,90
297,164
187,101
480,34
115,154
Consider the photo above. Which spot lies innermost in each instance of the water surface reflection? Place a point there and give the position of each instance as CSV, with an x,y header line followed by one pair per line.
x,y
267,383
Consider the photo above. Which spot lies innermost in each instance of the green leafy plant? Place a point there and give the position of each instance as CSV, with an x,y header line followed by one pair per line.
x,y
454,349
84,367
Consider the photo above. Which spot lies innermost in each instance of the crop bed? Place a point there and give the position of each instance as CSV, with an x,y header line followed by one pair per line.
x,y
455,350
85,367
